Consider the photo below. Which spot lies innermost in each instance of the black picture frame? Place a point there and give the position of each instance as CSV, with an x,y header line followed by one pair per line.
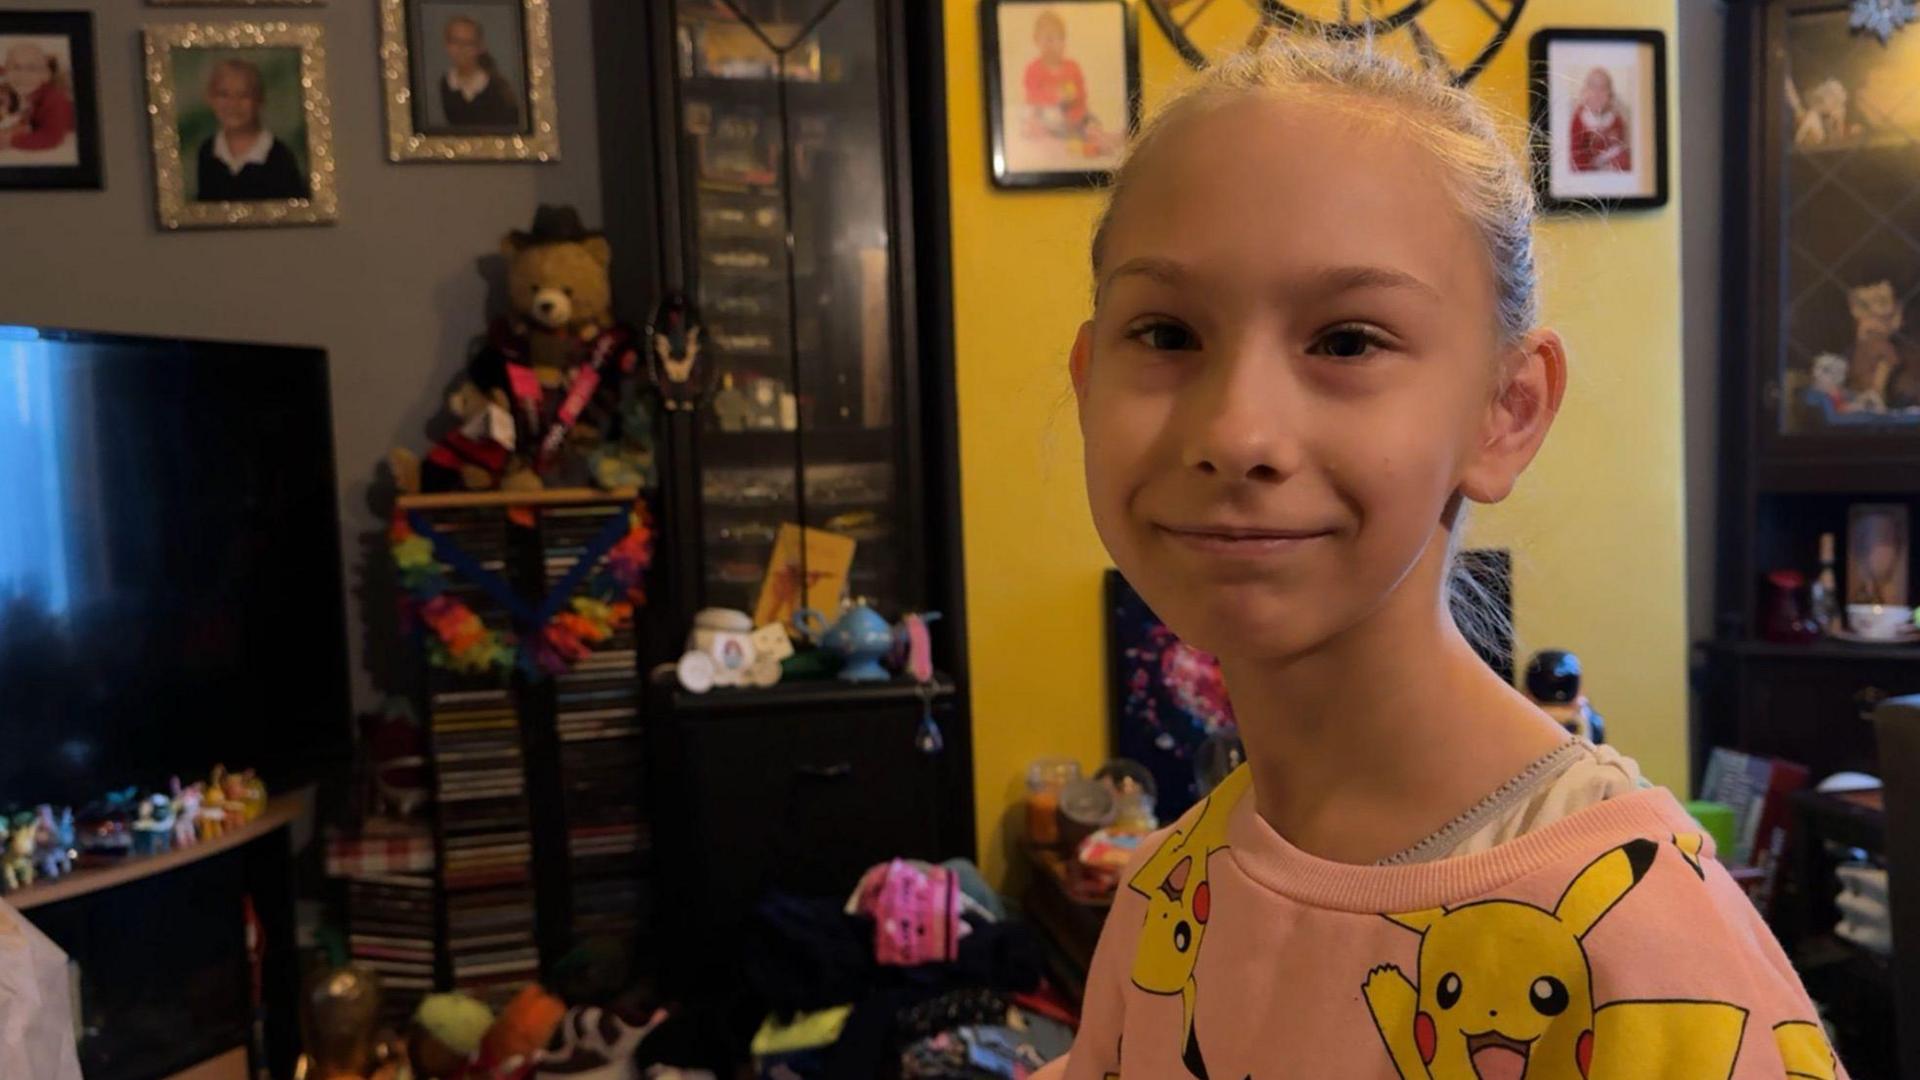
x,y
77,28
1001,172
1540,117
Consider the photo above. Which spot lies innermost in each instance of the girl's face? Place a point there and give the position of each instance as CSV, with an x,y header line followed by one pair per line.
x,y
1051,38
234,106
1289,373
463,46
27,69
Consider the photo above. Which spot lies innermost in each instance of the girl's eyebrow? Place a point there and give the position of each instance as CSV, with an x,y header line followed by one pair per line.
x,y
1334,280
1157,268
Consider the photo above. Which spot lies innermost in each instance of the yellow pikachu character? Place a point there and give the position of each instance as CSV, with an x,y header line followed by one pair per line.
x,y
1502,977
1179,902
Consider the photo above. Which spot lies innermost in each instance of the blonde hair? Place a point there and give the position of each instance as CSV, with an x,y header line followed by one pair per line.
x,y
1049,19
1481,172
245,69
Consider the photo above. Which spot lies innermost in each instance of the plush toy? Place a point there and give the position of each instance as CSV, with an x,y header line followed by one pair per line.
x,y
1553,682
521,1030
545,390
447,1029
595,1044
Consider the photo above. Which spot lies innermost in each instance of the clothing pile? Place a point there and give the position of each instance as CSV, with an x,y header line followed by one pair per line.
x,y
918,974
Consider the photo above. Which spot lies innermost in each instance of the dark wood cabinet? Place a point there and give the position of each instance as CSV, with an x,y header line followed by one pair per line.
x,y
1820,370
781,163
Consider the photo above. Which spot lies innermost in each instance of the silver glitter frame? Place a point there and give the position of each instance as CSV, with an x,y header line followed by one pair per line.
x,y
176,211
541,143
236,3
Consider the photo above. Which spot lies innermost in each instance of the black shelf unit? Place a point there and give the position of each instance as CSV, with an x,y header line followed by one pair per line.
x,y
1797,235
1814,213
801,786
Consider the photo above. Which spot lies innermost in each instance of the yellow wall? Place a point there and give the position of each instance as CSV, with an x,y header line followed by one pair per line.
x,y
1596,528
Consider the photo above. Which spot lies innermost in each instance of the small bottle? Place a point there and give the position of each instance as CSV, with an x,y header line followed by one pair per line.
x,y
1825,593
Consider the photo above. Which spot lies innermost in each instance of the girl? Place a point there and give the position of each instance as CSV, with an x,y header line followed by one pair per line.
x,y
1313,342
473,94
243,160
45,106
1598,130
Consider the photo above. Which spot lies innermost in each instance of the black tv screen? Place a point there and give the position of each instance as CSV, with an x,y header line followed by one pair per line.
x,y
170,575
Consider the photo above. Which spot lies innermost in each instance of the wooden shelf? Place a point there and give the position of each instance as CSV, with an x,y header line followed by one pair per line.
x,y
1866,471
807,692
281,810
462,500
1817,650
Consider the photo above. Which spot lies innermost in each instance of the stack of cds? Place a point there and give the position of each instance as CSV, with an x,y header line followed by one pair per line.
x,y
390,930
480,791
597,724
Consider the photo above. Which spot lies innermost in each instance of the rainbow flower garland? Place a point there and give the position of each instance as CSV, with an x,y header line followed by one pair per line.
x,y
546,641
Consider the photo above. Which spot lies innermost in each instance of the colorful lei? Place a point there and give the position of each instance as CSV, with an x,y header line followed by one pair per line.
x,y
544,641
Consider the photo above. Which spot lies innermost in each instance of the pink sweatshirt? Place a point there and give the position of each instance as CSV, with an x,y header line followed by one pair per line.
x,y
1608,944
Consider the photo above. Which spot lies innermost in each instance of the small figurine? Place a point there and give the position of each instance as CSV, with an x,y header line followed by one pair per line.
x,y
52,857
1553,682
186,814
675,360
153,825
1876,318
1821,119
1830,381
103,827
16,867
213,810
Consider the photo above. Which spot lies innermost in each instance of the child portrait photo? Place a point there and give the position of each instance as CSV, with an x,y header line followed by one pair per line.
x,y
1063,86
48,133
469,67
1599,117
240,129
469,80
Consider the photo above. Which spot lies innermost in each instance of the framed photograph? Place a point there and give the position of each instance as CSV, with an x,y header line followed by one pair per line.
x,y
469,80
1878,549
49,108
1598,104
242,129
1063,89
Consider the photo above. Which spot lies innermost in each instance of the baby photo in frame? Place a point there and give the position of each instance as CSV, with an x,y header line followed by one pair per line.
x,y
1063,89
49,113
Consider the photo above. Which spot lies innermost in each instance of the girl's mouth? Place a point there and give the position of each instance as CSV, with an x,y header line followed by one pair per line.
x,y
1244,543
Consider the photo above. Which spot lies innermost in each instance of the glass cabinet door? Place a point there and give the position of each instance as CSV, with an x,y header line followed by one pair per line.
x,y
784,136
1849,214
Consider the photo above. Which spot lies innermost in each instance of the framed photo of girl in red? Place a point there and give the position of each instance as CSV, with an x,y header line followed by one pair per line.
x,y
1063,89
1598,105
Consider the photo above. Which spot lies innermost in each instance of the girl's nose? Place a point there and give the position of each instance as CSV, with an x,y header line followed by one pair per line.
x,y
1239,421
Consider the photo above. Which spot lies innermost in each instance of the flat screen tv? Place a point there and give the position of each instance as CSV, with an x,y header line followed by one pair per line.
x,y
170,572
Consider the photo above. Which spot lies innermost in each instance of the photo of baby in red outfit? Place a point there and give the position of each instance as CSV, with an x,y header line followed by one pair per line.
x,y
1063,73
36,102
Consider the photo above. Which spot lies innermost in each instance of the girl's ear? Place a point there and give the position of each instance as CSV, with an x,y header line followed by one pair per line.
x,y
1518,417
1079,358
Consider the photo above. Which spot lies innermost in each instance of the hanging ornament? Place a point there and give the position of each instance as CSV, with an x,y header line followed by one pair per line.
x,y
1882,17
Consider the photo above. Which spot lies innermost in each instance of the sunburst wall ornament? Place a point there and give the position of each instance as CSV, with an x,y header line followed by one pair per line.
x,y
1882,17
1454,37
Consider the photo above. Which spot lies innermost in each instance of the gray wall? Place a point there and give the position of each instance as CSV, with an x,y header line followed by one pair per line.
x,y
393,292
1701,62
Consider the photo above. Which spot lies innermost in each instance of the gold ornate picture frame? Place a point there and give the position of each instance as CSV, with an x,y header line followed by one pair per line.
x,y
200,77
418,65
236,3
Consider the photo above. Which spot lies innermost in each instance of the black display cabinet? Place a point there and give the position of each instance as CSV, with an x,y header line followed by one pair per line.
x,y
1820,415
781,163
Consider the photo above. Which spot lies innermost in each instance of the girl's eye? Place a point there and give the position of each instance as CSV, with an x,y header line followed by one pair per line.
x,y
1164,336
1348,342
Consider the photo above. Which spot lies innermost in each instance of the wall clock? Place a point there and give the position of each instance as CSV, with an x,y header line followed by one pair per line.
x,y
1453,37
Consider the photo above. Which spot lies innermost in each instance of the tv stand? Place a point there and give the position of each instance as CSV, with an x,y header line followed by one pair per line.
x,y
160,940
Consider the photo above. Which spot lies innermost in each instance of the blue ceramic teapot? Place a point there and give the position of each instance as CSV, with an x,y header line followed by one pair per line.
x,y
860,638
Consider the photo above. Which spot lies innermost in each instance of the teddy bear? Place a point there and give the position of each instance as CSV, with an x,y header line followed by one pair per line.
x,y
544,397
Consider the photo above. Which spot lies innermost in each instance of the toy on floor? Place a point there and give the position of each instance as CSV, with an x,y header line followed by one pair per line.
x,y
1553,682
445,1037
523,1028
595,1044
